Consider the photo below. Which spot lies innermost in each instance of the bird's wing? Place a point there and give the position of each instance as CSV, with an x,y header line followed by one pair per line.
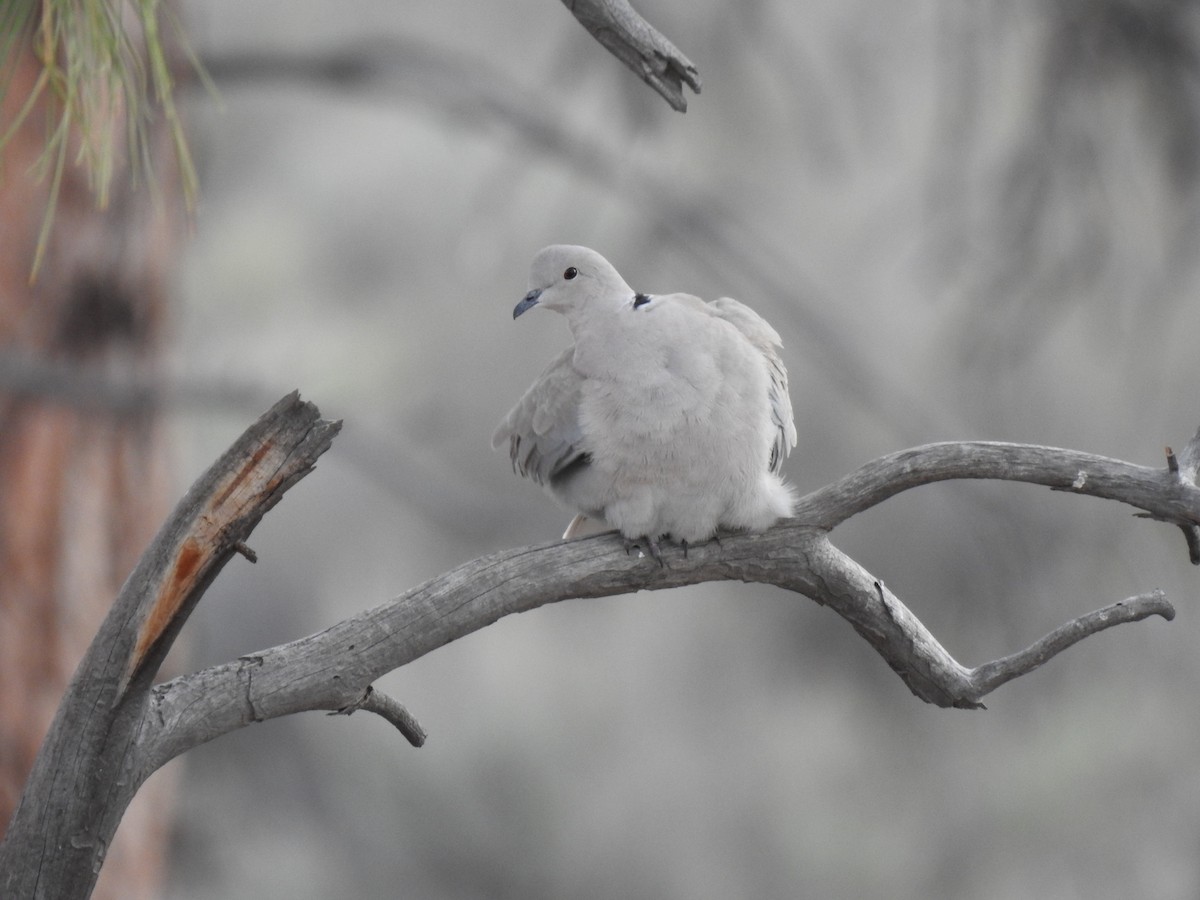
x,y
543,428
767,341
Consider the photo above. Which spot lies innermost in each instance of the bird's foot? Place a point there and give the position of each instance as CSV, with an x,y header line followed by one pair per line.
x,y
649,544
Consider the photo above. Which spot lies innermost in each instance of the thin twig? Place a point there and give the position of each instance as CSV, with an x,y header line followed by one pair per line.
x,y
387,707
1185,474
244,549
990,676
1191,536
1155,491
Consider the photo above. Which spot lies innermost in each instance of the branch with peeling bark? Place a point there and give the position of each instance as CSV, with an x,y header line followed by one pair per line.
x,y
91,762
114,729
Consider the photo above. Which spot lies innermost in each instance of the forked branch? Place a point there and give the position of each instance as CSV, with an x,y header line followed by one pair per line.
x,y
330,669
113,730
1164,494
91,762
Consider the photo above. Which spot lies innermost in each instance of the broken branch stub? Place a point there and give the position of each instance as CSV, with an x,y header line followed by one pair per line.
x,y
89,766
638,44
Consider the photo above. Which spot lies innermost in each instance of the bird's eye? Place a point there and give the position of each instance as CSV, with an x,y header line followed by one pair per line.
x,y
570,273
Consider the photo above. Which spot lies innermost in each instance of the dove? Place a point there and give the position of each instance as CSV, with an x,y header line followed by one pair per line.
x,y
669,417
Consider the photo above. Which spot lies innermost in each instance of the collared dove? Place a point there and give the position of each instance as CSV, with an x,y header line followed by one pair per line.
x,y
668,416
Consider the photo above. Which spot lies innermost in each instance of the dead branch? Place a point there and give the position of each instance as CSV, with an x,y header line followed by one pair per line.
x,y
1165,495
89,767
390,710
991,675
113,730
635,42
1183,469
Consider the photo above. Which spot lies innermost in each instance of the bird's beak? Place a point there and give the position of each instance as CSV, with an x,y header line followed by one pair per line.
x,y
530,300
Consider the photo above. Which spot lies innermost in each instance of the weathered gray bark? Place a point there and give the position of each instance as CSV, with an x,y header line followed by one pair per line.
x,y
113,729
638,44
90,766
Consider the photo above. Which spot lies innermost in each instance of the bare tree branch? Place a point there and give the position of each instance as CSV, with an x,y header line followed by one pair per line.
x,y
1167,496
330,670
113,731
390,710
89,767
635,42
1183,469
991,675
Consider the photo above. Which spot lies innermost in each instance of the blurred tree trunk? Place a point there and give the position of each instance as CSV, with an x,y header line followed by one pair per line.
x,y
82,483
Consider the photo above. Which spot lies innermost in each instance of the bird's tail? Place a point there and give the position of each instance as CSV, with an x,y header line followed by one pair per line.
x,y
775,499
781,496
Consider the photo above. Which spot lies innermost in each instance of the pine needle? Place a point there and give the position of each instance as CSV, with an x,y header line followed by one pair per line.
x,y
106,79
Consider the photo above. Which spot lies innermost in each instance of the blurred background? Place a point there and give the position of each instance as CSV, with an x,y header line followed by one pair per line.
x,y
967,221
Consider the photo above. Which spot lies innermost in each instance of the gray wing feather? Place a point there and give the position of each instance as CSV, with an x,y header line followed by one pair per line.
x,y
768,342
543,428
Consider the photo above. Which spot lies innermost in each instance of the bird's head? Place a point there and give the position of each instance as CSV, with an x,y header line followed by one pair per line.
x,y
572,280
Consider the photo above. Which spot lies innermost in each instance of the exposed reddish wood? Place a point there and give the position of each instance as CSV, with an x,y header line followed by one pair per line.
x,y
91,763
249,469
260,475
166,606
